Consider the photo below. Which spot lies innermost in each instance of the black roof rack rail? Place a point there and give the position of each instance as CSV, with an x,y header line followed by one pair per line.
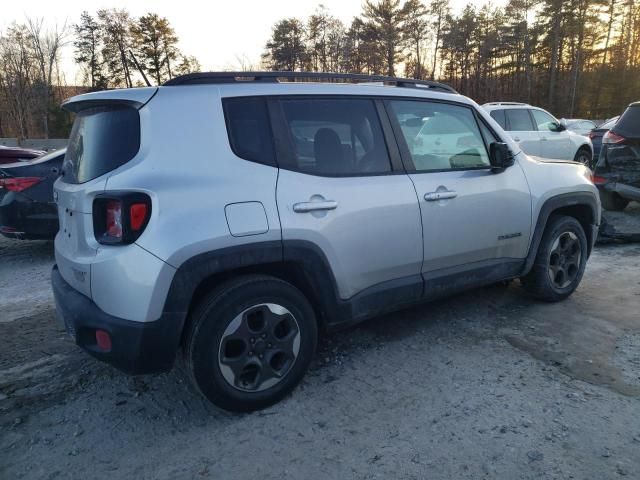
x,y
239,77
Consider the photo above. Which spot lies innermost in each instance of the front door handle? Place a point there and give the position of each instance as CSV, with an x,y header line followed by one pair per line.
x,y
304,207
517,139
442,195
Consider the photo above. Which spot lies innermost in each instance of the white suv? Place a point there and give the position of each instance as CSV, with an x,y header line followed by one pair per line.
x,y
539,133
233,217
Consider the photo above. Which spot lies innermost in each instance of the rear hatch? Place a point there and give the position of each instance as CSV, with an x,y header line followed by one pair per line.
x,y
623,153
105,135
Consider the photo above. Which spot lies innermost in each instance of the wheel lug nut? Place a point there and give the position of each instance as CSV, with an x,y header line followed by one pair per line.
x,y
264,335
260,356
251,354
269,345
253,340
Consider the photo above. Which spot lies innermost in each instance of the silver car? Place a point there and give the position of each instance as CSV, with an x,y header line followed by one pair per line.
x,y
234,217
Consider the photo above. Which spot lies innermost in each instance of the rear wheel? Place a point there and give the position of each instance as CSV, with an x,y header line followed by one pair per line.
x,y
251,342
583,155
560,261
612,201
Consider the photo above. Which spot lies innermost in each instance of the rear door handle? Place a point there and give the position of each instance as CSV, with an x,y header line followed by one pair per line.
x,y
517,139
443,195
304,207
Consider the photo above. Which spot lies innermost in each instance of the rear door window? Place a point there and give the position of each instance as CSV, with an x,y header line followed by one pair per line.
x,y
519,120
249,129
335,137
498,116
102,139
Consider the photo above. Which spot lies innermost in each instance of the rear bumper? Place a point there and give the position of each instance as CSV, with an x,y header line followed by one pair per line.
x,y
21,217
625,191
136,347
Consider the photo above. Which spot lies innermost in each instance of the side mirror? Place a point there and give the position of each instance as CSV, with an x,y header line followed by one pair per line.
x,y
558,127
500,156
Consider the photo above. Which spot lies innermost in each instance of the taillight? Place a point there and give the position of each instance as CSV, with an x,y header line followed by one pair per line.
x,y
120,218
113,219
611,137
598,180
19,184
138,215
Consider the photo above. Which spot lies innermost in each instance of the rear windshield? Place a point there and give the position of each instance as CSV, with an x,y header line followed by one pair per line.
x,y
628,124
102,139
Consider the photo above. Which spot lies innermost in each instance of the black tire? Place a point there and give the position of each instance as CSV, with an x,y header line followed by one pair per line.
x,y
612,201
242,301
583,156
545,280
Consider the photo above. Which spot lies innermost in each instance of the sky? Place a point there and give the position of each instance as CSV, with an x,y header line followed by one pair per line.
x,y
217,32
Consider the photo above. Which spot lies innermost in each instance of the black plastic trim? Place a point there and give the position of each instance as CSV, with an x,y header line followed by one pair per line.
x,y
137,347
273,77
192,272
550,205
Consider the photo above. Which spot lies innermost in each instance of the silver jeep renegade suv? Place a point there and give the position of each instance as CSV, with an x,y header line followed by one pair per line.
x,y
234,216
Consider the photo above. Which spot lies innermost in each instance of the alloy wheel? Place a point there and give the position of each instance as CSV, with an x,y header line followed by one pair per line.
x,y
583,158
564,260
259,347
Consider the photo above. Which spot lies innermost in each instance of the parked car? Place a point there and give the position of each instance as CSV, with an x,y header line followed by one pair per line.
x,y
617,173
27,209
579,126
297,208
15,154
539,133
597,133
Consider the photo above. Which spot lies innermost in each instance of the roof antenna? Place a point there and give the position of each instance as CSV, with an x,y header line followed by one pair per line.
x,y
146,80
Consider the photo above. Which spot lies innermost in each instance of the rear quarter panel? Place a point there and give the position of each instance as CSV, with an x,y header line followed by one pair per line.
x,y
187,167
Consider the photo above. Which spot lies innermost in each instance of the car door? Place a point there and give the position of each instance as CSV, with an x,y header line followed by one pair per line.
x,y
521,128
472,217
337,190
555,141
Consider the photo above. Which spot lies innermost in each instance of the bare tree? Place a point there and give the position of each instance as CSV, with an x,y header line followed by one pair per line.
x,y
46,44
16,76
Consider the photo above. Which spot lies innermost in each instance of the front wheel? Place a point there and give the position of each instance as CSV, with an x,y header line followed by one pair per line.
x,y
250,342
560,261
583,156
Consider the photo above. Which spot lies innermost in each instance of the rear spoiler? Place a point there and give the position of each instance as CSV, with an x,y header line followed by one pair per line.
x,y
134,97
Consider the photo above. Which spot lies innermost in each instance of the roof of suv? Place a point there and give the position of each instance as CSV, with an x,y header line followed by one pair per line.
x,y
511,104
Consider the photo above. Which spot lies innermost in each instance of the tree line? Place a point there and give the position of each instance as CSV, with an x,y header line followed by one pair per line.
x,y
106,47
577,58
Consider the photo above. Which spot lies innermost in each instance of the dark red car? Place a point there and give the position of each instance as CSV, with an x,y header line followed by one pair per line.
x,y
16,154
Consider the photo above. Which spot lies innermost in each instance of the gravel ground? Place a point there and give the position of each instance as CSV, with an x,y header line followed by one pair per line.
x,y
488,384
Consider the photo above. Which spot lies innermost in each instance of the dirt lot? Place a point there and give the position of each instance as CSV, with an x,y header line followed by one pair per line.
x,y
489,384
